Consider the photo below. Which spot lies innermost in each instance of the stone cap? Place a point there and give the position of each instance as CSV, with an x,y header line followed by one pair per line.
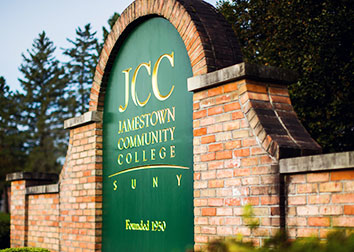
x,y
242,71
42,189
38,176
324,162
86,118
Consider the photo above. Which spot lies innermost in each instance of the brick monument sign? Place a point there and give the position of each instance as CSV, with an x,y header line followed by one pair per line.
x,y
180,135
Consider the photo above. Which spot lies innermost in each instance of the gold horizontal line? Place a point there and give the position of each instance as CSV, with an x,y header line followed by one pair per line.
x,y
149,167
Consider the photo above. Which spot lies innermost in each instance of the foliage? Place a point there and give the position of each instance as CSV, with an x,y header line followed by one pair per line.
x,y
43,106
12,153
337,241
4,230
82,65
249,218
315,39
24,250
111,21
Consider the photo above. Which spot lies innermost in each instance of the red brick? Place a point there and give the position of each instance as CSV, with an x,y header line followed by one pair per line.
x,y
237,115
223,155
307,232
319,199
200,95
349,210
215,202
343,198
232,106
270,200
297,200
224,174
242,152
208,211
208,175
216,183
222,211
254,201
224,231
233,202
208,139
199,114
233,144
233,125
307,210
230,87
200,132
331,210
307,188
318,177
215,147
249,161
319,221
215,128
343,221
215,91
331,187
343,175
208,230
215,165
215,110
249,142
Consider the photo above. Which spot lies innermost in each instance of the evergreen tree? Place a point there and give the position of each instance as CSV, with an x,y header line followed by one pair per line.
x,y
43,106
12,154
111,21
81,67
315,39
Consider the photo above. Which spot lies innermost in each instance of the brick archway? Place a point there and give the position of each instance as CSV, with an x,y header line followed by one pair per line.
x,y
210,42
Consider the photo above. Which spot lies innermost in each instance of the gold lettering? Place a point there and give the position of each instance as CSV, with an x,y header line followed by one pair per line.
x,y
172,131
144,158
133,93
127,226
133,184
171,115
126,73
155,182
162,153
155,86
153,154
128,158
172,151
179,179
115,185
120,162
136,157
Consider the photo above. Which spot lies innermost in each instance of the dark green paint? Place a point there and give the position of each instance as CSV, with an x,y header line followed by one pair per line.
x,y
168,202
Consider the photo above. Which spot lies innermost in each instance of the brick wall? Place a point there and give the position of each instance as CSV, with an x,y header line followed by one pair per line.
x,y
320,199
239,134
43,221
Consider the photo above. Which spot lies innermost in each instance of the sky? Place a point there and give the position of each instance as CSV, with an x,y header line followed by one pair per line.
x,y
22,20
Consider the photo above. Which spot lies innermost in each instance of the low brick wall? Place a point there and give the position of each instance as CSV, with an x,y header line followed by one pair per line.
x,y
320,193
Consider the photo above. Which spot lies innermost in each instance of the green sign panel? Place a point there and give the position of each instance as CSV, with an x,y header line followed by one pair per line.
x,y
147,144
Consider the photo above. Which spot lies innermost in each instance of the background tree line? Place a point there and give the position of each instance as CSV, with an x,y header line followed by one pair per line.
x,y
312,37
31,120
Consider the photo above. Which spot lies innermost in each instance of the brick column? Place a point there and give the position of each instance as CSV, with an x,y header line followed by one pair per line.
x,y
81,185
243,123
20,181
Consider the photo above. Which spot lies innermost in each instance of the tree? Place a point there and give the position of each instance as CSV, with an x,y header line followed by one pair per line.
x,y
12,154
111,21
82,67
43,106
315,39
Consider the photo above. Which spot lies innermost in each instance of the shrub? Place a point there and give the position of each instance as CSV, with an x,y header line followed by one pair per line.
x,y
338,241
4,230
24,250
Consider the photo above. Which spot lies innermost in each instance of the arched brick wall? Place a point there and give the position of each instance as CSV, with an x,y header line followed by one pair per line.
x,y
210,42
